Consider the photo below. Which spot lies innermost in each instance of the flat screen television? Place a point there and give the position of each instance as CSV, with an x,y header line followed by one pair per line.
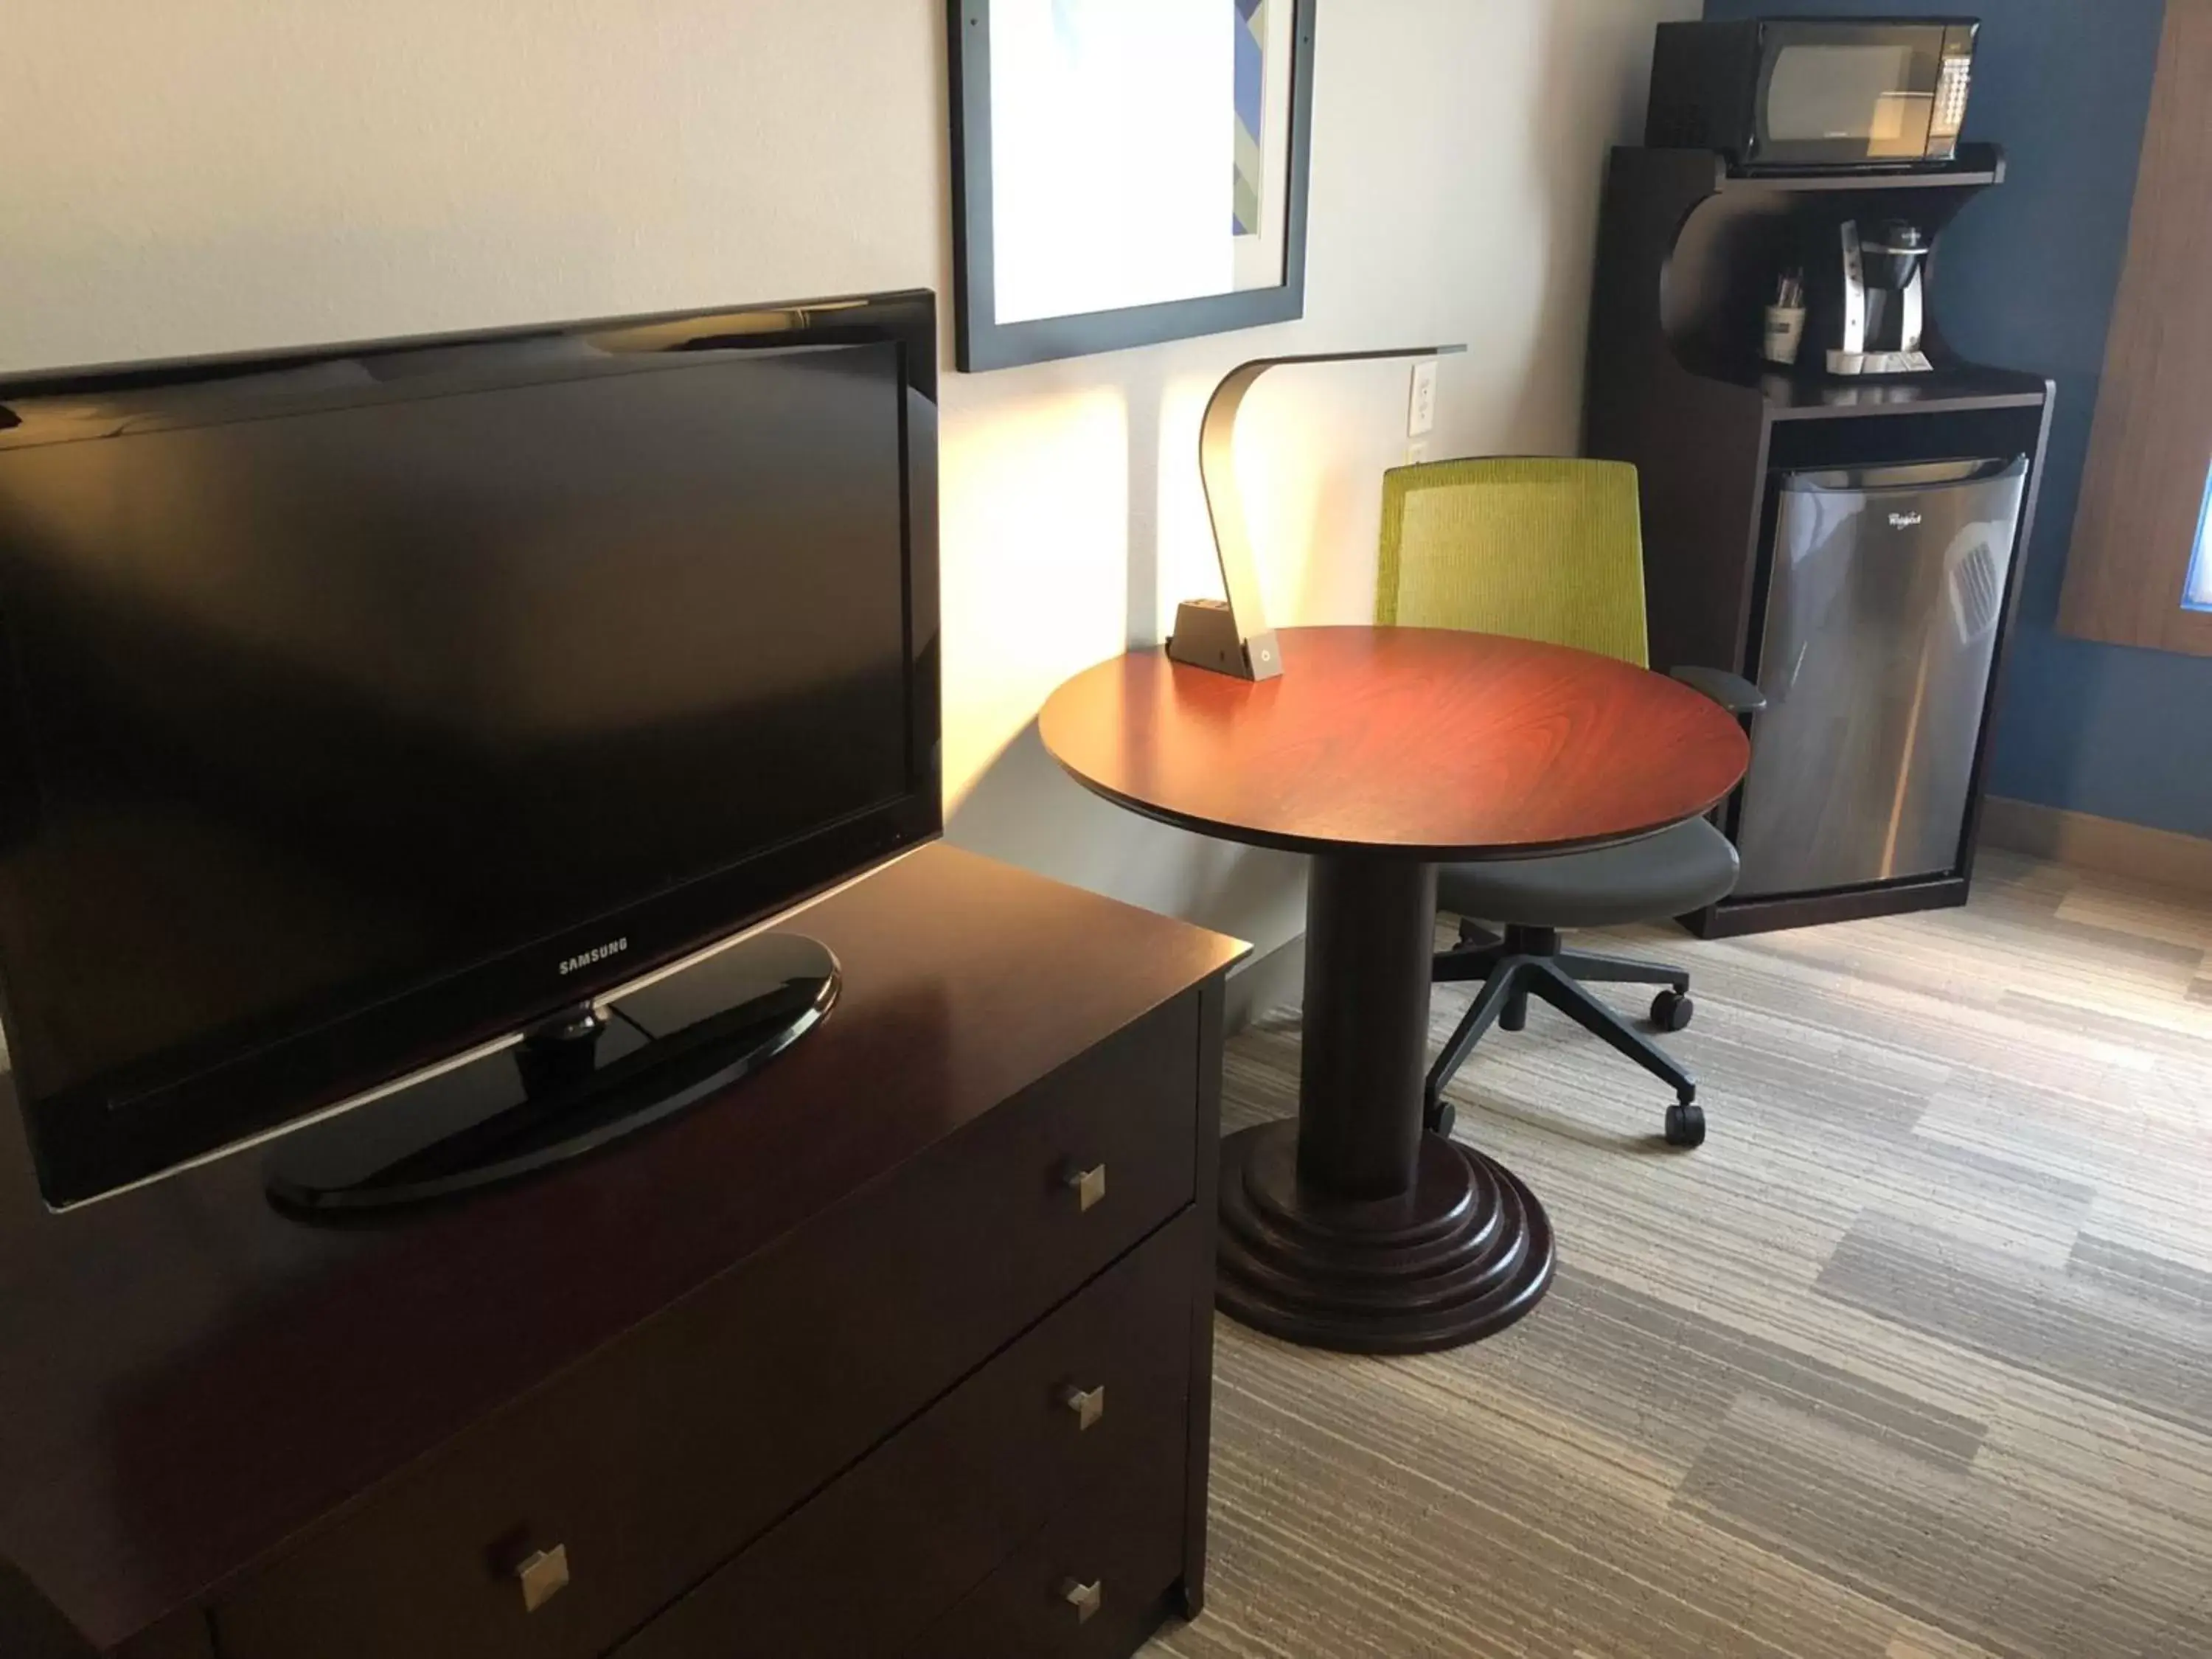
x,y
366,707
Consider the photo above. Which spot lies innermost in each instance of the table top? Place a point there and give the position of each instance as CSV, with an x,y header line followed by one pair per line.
x,y
1422,741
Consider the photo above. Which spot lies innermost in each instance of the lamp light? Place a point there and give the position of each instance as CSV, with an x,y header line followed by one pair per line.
x,y
1231,636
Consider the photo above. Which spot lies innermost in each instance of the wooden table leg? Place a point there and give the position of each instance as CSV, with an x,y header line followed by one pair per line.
x,y
1351,1228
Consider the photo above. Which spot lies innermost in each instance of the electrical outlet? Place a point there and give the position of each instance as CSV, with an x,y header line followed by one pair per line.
x,y
1417,451
1421,414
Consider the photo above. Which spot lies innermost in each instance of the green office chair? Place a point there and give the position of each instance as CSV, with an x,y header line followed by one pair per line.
x,y
1551,549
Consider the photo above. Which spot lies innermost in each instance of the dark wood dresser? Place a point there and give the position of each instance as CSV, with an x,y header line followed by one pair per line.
x,y
902,1348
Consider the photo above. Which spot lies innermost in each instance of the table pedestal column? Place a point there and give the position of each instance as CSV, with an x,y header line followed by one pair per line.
x,y
1351,1228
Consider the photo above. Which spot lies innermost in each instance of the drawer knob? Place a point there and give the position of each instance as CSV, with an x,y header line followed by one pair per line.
x,y
543,1575
1089,1186
1089,1405
1085,1599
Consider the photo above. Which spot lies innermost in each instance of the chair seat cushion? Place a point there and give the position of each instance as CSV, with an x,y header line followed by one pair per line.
x,y
1675,871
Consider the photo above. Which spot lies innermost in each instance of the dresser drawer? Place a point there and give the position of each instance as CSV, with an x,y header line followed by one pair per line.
x,y
1091,1584
1100,1388
657,1460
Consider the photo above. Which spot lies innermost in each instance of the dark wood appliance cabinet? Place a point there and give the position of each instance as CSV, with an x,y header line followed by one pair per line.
x,y
1688,254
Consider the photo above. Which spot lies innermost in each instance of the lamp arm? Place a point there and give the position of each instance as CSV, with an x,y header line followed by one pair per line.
x,y
1224,501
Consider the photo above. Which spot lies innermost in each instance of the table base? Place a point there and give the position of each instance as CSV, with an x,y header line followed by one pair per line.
x,y
1351,1228
1465,1253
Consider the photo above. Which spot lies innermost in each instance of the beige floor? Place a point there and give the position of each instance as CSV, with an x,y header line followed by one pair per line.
x,y
1913,1359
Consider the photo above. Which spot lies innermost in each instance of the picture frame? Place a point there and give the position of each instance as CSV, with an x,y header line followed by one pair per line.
x,y
1083,177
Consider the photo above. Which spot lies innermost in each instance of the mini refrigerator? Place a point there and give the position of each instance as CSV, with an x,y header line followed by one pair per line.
x,y
1883,612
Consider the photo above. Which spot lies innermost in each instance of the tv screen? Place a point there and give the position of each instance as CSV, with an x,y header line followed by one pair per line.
x,y
362,705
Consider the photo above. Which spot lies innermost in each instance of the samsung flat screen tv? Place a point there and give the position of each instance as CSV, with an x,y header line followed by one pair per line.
x,y
366,707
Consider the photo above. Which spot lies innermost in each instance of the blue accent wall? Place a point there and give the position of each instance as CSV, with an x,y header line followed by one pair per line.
x,y
2029,274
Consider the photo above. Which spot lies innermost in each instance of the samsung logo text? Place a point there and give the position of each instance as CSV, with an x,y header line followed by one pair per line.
x,y
613,947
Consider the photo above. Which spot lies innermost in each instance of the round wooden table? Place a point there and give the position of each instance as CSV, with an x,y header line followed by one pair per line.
x,y
1382,752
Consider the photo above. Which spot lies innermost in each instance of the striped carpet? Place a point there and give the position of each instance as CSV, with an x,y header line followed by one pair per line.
x,y
1912,1360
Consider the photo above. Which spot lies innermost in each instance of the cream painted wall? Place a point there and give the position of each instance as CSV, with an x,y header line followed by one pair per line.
x,y
215,175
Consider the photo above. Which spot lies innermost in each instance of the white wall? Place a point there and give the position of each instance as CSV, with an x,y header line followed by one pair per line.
x,y
214,175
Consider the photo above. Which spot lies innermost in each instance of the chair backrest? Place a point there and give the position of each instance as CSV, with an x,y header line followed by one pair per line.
x,y
1540,548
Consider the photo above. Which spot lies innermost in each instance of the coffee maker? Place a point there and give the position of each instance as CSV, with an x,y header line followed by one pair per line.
x,y
1870,299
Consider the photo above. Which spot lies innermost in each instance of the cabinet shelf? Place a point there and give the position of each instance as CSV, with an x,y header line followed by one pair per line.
x,y
1978,166
1953,388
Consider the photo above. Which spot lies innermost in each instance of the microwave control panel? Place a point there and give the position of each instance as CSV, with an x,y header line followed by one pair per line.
x,y
1951,90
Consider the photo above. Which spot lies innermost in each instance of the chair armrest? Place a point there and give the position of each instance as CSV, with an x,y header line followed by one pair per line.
x,y
1732,692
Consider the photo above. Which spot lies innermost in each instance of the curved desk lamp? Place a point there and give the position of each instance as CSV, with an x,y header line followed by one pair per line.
x,y
1232,637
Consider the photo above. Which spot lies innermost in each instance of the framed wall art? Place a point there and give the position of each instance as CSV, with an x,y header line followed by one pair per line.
x,y
1126,172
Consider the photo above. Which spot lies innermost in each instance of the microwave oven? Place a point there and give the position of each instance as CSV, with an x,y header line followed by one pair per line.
x,y
1779,94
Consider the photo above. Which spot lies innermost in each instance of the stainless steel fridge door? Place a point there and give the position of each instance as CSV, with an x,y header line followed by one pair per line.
x,y
1882,614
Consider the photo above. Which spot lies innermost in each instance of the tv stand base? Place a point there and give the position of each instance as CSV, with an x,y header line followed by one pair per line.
x,y
579,1082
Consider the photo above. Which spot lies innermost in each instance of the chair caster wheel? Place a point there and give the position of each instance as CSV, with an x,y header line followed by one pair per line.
x,y
1685,1126
1440,1117
1671,1010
